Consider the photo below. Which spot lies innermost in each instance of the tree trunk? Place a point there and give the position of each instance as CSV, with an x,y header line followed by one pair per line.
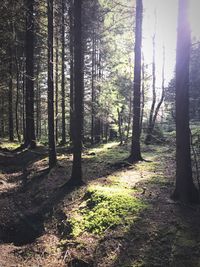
x,y
63,75
56,87
135,147
76,177
30,127
71,44
52,148
150,125
23,101
185,190
93,89
10,98
120,124
17,96
162,94
142,97
2,129
38,102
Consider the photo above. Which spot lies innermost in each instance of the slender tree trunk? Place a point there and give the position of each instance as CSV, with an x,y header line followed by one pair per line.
x,y
30,126
56,87
63,75
93,89
38,102
162,94
71,8
150,125
135,147
52,147
185,190
142,97
120,126
10,98
23,102
17,97
76,177
2,117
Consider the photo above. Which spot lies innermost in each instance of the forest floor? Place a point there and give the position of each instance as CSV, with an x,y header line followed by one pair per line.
x,y
122,217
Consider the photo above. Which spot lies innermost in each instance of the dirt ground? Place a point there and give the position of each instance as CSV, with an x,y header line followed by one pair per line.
x,y
35,204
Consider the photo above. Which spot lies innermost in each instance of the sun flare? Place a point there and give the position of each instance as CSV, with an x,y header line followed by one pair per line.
x,y
165,30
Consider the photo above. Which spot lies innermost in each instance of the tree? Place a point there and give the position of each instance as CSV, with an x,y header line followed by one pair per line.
x,y
76,177
155,107
63,75
30,126
185,190
52,148
71,50
135,147
10,97
150,124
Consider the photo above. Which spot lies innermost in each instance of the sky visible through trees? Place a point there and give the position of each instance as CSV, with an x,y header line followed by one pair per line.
x,y
166,25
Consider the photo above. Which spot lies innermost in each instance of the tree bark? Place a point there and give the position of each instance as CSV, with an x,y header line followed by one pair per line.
x,y
63,75
135,147
71,48
29,98
17,96
56,87
52,148
76,177
185,190
150,125
10,98
93,89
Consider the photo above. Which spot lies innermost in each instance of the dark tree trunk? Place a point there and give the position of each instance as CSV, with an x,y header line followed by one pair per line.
x,y
71,44
129,120
142,97
120,125
76,177
23,102
185,190
10,98
150,124
2,129
52,148
38,102
30,127
154,115
135,147
56,87
17,96
162,94
63,75
93,89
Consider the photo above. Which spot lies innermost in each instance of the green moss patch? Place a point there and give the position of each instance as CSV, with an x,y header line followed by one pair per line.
x,y
9,145
105,207
108,153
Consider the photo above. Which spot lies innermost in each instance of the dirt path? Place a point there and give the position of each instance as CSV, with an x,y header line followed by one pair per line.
x,y
34,216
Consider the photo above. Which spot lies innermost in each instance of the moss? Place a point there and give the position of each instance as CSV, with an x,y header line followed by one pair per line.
x,y
146,166
9,145
105,207
158,180
108,153
139,263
